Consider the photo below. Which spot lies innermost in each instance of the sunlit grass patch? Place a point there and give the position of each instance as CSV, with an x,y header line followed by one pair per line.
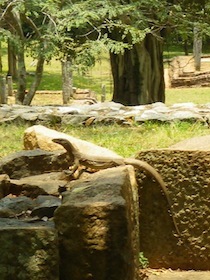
x,y
126,141
11,138
196,95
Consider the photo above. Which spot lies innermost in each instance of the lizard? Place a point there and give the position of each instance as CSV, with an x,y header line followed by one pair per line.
x,y
98,163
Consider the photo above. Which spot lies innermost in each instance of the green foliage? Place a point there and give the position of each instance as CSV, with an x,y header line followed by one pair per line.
x,y
143,261
84,29
11,132
183,17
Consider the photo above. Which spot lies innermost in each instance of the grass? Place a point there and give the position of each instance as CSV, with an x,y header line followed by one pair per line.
x,y
93,79
123,140
11,138
183,95
178,95
150,135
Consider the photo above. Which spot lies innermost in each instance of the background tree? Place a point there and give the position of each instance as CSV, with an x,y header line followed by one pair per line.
x,y
132,31
192,27
132,37
24,26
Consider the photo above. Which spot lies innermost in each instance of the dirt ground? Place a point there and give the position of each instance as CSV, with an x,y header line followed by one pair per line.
x,y
168,274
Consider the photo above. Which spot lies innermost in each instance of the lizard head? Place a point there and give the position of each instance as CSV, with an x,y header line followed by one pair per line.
x,y
64,142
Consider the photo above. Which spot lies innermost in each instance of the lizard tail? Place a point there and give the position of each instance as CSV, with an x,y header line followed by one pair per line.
x,y
142,165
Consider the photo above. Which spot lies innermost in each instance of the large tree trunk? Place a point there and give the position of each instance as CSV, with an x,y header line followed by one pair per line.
x,y
138,74
37,80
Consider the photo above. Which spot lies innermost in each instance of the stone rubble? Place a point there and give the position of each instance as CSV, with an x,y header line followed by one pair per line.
x,y
101,209
96,222
107,112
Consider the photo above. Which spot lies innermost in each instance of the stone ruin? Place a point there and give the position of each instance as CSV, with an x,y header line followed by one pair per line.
x,y
53,227
181,72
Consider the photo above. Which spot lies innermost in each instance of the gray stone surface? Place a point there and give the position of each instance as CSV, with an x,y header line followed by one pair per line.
x,y
28,163
77,114
28,251
12,206
98,227
45,206
43,184
25,208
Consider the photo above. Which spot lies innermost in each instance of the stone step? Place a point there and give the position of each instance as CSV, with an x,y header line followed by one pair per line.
x,y
168,274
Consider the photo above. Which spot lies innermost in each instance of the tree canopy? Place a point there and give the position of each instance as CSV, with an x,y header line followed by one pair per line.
x,y
132,31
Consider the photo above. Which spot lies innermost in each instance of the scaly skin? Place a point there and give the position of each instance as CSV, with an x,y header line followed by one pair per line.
x,y
98,163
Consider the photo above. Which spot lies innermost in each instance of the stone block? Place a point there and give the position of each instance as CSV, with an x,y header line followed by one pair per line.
x,y
187,178
97,225
45,184
28,251
27,163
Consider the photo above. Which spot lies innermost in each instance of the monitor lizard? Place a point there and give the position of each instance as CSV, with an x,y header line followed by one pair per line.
x,y
98,163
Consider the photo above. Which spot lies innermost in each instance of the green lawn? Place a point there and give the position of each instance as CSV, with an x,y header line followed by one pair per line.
x,y
123,140
182,95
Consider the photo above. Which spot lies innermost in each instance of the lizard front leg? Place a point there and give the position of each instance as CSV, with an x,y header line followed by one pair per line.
x,y
77,169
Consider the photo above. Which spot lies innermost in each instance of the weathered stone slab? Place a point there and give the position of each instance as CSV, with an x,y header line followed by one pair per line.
x,y
39,136
187,177
28,251
25,208
28,163
44,184
4,185
45,206
75,120
12,206
98,227
201,143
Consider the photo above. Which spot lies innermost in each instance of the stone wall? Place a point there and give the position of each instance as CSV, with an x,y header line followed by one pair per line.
x,y
97,221
186,174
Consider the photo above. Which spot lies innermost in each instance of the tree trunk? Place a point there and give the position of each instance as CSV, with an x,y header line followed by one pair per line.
x,y
38,77
67,87
186,47
12,61
9,86
3,94
138,74
197,47
21,76
1,67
